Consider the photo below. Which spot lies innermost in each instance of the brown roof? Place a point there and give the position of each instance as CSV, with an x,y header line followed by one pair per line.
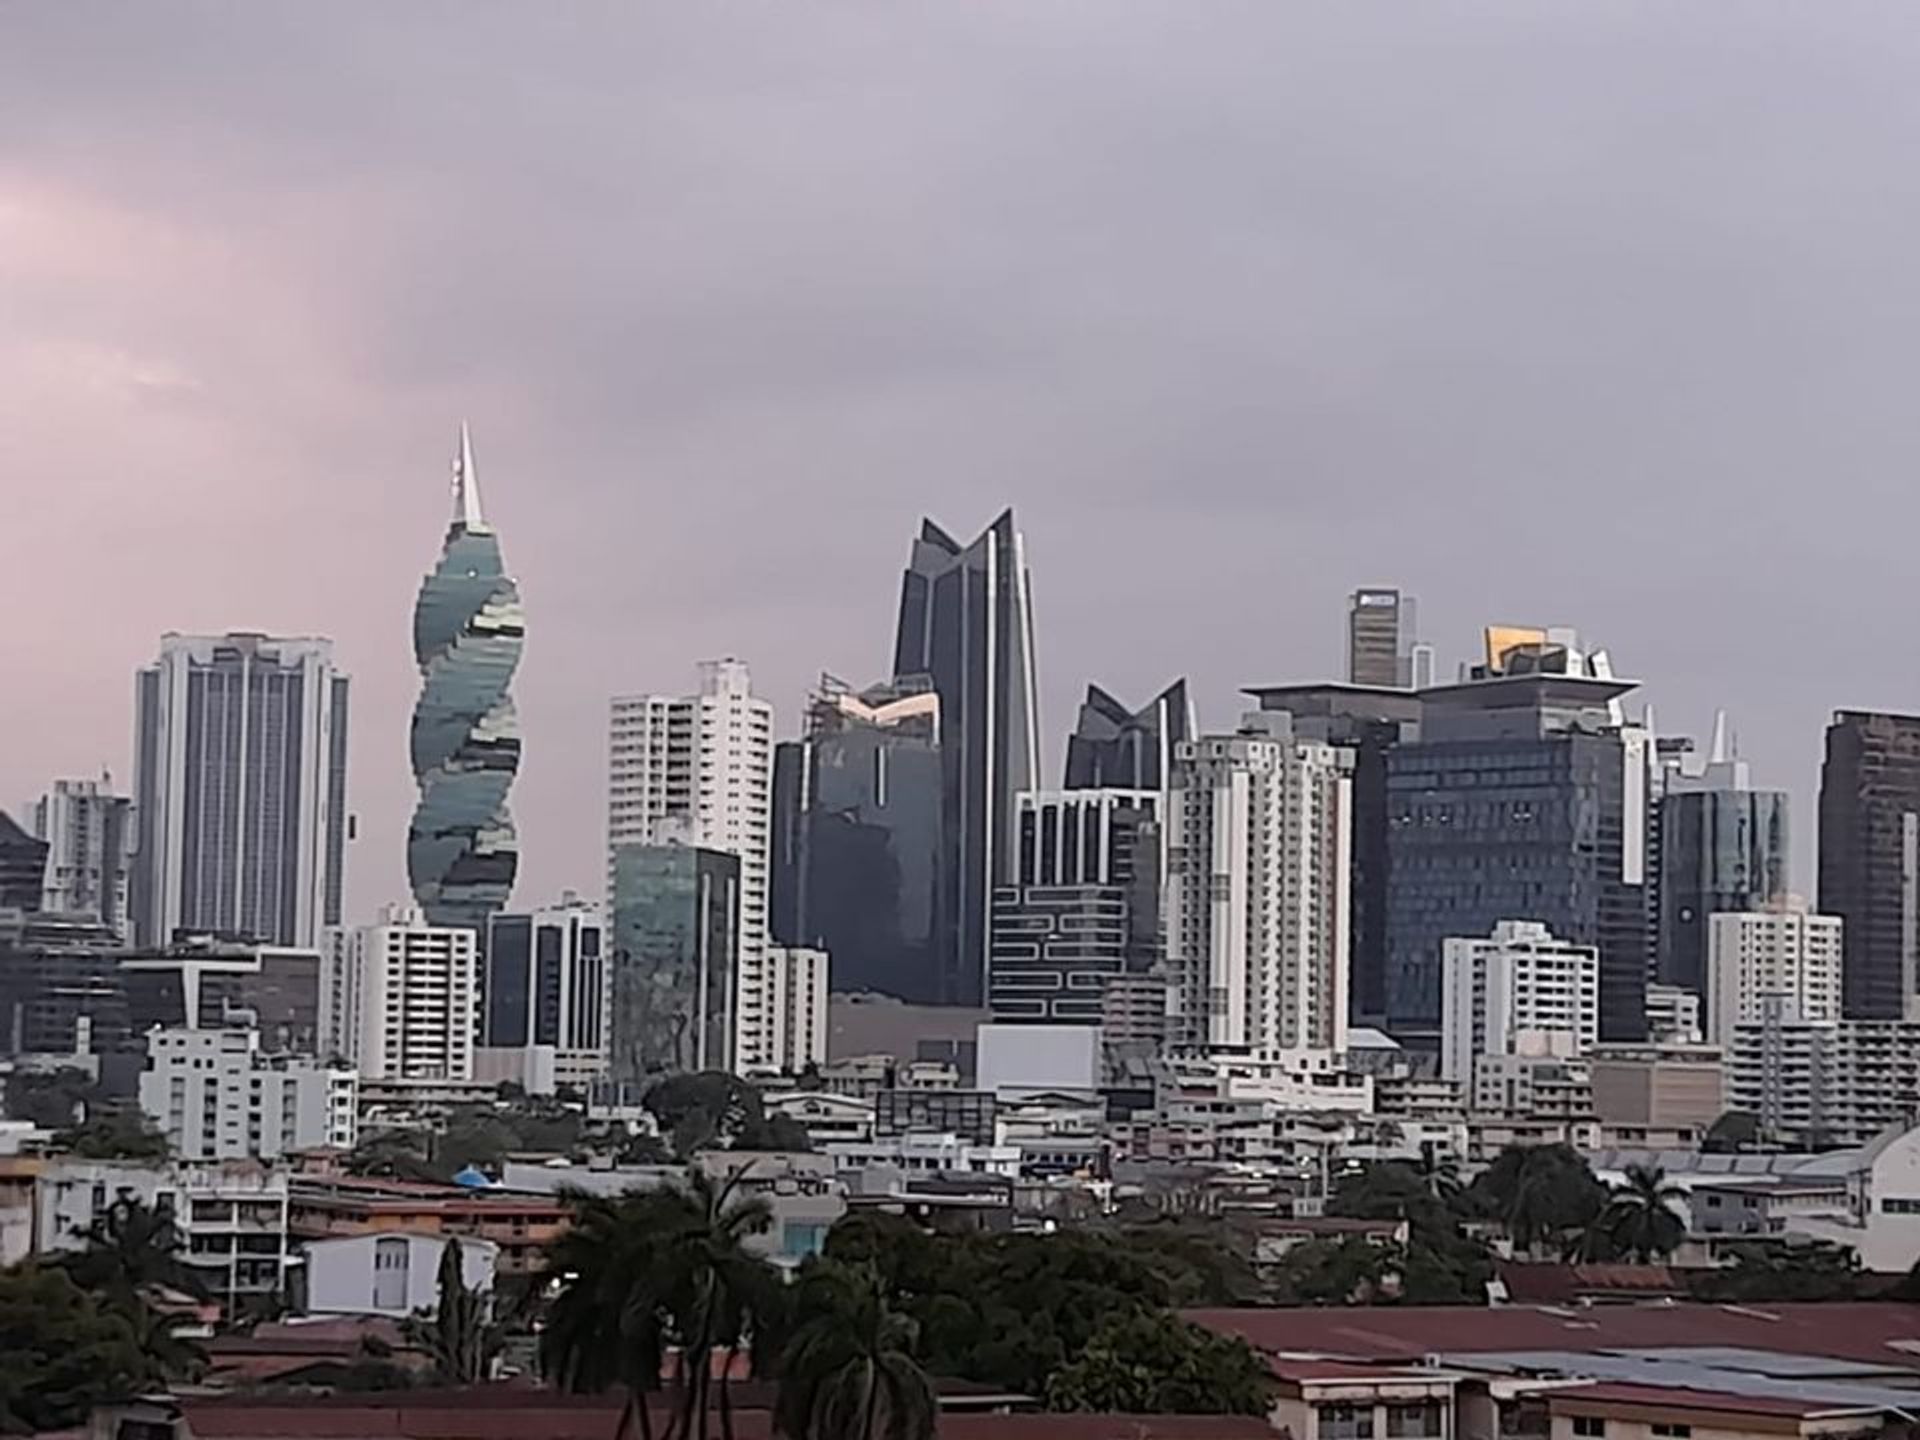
x,y
1857,1331
512,1413
1673,1397
1555,1284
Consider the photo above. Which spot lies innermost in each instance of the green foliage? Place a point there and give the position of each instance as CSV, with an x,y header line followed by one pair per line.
x,y
1735,1130
62,1352
849,1368
1154,1363
1199,1263
1352,1270
115,1134
651,1270
391,1155
1545,1196
1774,1271
1641,1221
1440,1264
50,1099
712,1110
132,1255
457,1333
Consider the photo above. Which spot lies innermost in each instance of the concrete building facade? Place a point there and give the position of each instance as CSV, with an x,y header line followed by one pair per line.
x,y
402,998
89,834
1783,957
1517,991
215,1096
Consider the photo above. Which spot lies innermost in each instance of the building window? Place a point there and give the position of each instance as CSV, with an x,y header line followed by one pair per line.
x,y
1589,1427
1344,1422
1414,1422
1673,1432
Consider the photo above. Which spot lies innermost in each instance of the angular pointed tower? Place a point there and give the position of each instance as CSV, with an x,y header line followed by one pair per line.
x,y
468,631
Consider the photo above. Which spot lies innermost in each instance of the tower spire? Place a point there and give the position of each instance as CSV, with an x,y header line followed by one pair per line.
x,y
466,486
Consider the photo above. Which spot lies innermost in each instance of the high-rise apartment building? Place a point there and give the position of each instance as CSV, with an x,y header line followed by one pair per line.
x,y
89,835
675,938
1870,857
1824,1082
699,768
1524,797
240,789
1759,961
546,985
216,1096
786,1030
61,990
23,866
468,632
1114,748
1722,848
858,839
1517,991
966,623
401,997
1256,902
1368,722
1084,906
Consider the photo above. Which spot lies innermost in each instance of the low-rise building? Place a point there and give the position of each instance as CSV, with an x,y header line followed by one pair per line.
x,y
1658,1087
216,1095
927,1153
389,1274
522,1225
825,1116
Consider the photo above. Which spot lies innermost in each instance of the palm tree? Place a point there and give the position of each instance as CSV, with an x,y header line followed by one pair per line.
x,y
458,1332
131,1259
1642,1219
849,1372
606,1326
651,1271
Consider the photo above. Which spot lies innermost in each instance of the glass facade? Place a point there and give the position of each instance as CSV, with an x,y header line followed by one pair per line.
x,y
1511,828
1720,851
1870,856
674,943
1114,748
23,866
468,632
966,625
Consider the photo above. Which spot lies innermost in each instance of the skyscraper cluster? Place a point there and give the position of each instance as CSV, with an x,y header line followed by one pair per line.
x,y
1494,868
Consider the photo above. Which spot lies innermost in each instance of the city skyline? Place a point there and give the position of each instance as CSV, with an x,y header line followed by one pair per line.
x,y
1486,384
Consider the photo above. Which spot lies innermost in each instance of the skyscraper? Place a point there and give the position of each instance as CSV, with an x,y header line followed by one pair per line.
x,y
401,997
858,840
1383,648
89,835
1523,799
1870,858
675,938
1722,849
546,985
1114,748
1258,828
700,766
966,623
240,780
468,632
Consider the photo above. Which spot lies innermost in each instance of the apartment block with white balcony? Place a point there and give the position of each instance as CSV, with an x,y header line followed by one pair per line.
x,y
401,998
1784,955
215,1096
1517,991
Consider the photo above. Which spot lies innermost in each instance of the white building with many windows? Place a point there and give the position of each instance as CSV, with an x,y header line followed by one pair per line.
x,y
1259,828
1518,991
215,1096
1784,955
704,762
89,835
785,1028
401,998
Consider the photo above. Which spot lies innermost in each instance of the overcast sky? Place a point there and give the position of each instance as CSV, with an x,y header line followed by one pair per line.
x,y
1601,315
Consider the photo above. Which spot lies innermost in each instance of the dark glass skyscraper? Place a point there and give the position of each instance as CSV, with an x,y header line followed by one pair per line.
x,y
23,866
675,941
1870,857
966,623
1523,799
1723,848
858,844
1114,748
468,631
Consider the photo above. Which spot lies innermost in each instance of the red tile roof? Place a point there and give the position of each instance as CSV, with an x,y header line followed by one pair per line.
x,y
1672,1397
1859,1331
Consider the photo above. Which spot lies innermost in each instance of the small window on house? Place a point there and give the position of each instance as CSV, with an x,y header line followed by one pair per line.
x,y
1673,1432
1589,1427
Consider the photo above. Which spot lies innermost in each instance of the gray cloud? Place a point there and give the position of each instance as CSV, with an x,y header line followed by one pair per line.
x,y
1594,315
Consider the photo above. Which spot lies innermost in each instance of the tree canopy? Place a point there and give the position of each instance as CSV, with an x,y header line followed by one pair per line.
x,y
62,1351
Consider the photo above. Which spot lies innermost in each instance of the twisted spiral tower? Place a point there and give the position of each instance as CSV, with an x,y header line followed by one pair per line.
x,y
468,631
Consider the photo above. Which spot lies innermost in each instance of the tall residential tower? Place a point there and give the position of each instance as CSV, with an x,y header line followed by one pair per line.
x,y
468,631
240,780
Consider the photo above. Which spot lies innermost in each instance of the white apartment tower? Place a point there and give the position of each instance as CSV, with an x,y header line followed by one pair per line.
x,y
786,1030
1783,954
215,1097
1518,991
401,998
89,835
704,762
1259,828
